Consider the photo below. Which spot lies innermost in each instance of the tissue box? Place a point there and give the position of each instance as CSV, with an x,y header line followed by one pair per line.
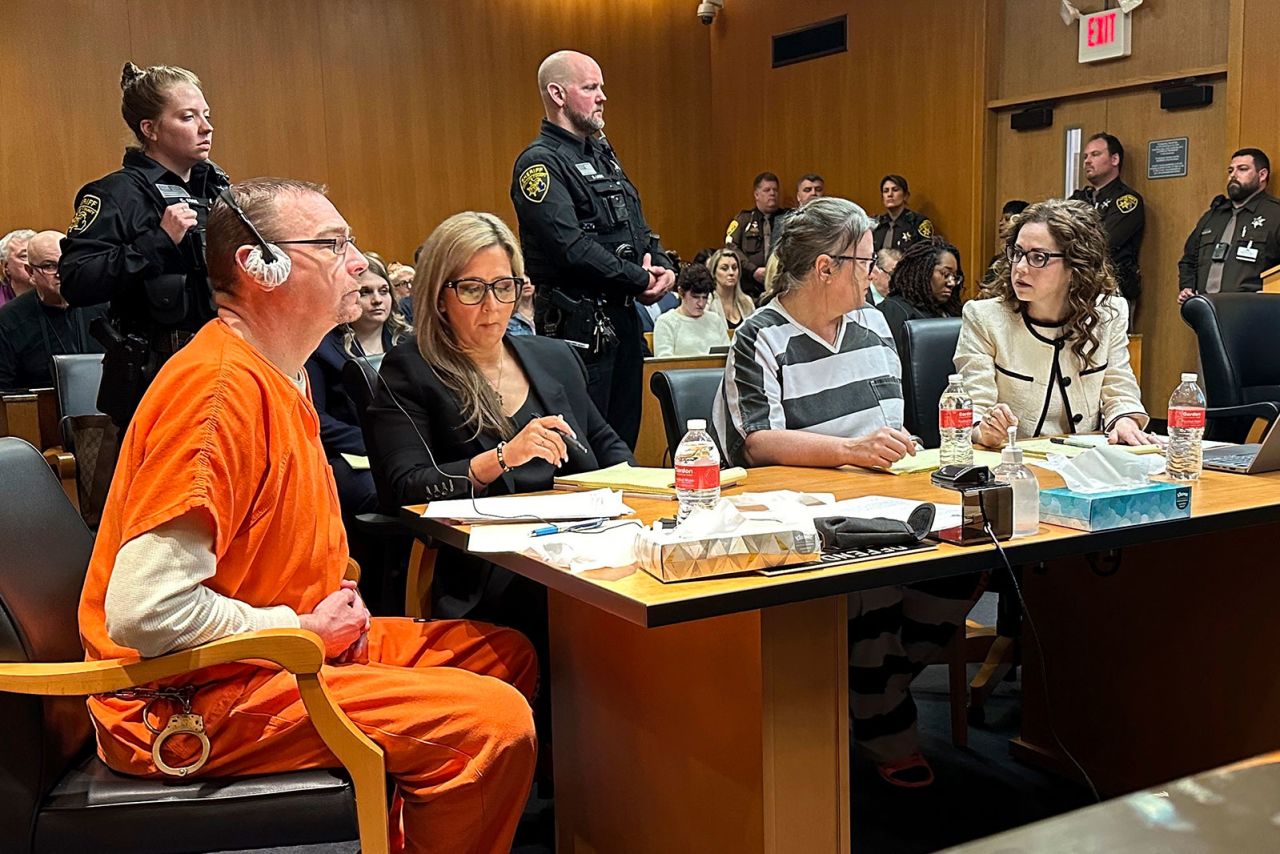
x,y
1101,511
728,555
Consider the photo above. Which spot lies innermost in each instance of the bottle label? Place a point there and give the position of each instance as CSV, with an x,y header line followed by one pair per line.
x,y
954,419
1186,416
703,476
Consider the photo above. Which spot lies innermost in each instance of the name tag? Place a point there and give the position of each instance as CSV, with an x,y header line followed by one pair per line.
x,y
171,191
587,169
1247,253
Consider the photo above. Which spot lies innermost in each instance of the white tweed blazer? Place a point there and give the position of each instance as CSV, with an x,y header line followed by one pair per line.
x,y
1005,358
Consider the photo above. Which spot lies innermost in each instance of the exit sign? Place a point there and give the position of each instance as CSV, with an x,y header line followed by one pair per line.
x,y
1105,35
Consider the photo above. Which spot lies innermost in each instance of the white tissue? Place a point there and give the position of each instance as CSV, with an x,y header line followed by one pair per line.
x,y
1105,469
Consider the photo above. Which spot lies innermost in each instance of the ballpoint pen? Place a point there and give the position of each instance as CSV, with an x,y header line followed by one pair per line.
x,y
547,530
572,440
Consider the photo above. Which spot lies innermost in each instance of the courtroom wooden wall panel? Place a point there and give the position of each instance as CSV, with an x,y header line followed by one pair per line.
x,y
1259,122
1040,54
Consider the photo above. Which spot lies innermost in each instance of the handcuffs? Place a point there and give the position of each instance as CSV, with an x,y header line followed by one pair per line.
x,y
185,722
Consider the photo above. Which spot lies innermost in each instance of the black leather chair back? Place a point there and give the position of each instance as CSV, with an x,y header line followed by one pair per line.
x,y
1237,335
927,350
44,552
360,379
76,378
685,394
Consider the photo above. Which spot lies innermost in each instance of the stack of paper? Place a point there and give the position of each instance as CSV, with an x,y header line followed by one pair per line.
x,y
565,506
642,481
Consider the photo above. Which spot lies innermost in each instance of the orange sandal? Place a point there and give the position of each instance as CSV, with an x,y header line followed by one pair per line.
x,y
913,772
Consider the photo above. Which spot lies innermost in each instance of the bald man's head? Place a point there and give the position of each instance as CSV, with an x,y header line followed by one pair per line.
x,y
43,252
572,89
44,247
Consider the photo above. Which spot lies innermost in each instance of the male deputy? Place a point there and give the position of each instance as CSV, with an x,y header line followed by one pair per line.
x,y
1123,211
586,244
1238,238
223,518
810,186
752,230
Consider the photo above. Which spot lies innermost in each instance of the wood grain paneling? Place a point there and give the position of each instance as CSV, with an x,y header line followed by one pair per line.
x,y
1251,122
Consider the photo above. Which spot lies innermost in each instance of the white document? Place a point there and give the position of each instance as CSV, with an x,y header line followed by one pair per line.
x,y
563,506
610,545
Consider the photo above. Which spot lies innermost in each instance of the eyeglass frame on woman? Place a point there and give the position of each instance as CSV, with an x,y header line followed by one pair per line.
x,y
871,262
489,288
952,279
1014,254
337,245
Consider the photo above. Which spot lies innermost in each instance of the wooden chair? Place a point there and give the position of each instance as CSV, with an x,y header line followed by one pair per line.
x,y
59,796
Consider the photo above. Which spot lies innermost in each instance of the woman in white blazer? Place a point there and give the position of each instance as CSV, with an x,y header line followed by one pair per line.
x,y
1047,350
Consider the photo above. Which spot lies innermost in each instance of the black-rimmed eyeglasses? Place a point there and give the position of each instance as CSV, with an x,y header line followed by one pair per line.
x,y
337,245
870,262
1035,257
471,291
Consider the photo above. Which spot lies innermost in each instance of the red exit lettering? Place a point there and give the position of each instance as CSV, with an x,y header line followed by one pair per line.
x,y
1102,30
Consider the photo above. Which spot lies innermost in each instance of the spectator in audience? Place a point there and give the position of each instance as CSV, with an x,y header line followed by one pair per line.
x,y
810,186
899,226
1238,238
402,288
926,283
649,314
521,322
378,328
1048,350
812,380
1011,208
14,281
728,300
1123,212
466,409
39,324
886,262
751,232
690,330
222,519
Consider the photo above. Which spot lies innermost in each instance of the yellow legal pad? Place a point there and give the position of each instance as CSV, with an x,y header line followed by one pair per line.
x,y
928,461
639,480
1045,447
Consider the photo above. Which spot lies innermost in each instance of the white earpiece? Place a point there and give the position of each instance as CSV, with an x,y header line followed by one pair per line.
x,y
268,274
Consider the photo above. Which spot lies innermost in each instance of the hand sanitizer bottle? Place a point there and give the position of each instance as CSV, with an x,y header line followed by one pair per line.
x,y
1026,489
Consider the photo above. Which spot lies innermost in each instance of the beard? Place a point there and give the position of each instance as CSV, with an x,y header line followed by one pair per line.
x,y
584,123
1238,192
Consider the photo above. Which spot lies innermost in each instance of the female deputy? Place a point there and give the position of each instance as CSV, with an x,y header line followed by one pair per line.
x,y
925,283
729,301
1049,351
137,237
376,331
813,379
466,409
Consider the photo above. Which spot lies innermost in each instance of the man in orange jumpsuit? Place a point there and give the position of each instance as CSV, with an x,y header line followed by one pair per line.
x,y
223,518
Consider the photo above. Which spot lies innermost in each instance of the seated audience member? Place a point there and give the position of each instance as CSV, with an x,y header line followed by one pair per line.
x,y
813,379
899,226
402,288
1011,208
649,314
886,262
925,283
728,300
378,328
222,519
14,278
39,324
1048,350
810,186
521,322
466,409
690,330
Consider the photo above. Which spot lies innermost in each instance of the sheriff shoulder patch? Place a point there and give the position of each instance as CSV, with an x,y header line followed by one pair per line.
x,y
85,214
1127,203
534,183
733,226
925,228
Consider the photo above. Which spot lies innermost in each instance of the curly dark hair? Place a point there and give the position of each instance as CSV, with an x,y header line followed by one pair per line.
x,y
912,279
1077,229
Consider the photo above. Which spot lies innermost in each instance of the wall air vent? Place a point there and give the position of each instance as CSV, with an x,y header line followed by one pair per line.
x,y
811,42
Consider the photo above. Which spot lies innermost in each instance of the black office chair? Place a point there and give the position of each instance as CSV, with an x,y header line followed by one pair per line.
x,y
1237,335
927,351
682,395
55,794
76,378
87,434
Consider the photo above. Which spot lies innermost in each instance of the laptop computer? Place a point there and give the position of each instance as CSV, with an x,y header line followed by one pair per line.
x,y
1247,459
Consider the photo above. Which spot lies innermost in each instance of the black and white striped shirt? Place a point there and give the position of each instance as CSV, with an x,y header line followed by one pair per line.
x,y
781,376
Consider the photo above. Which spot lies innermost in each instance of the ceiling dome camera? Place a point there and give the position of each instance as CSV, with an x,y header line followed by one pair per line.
x,y
708,9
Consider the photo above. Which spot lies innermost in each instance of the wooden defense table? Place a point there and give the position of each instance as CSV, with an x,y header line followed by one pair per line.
x,y
713,715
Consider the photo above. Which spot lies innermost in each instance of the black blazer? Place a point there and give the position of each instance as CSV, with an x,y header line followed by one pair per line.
x,y
897,311
339,424
402,467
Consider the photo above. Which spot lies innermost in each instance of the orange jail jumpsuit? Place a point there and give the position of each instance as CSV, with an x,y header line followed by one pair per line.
x,y
224,433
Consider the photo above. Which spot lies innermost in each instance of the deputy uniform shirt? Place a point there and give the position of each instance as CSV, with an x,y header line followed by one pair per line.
x,y
222,433
1124,217
32,333
900,233
781,376
747,232
576,207
1252,247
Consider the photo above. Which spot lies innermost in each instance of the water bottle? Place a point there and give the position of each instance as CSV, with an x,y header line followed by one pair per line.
x,y
1186,429
697,464
1026,489
955,424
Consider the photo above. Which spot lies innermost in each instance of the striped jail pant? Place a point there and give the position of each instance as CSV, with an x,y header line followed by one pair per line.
x,y
893,633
